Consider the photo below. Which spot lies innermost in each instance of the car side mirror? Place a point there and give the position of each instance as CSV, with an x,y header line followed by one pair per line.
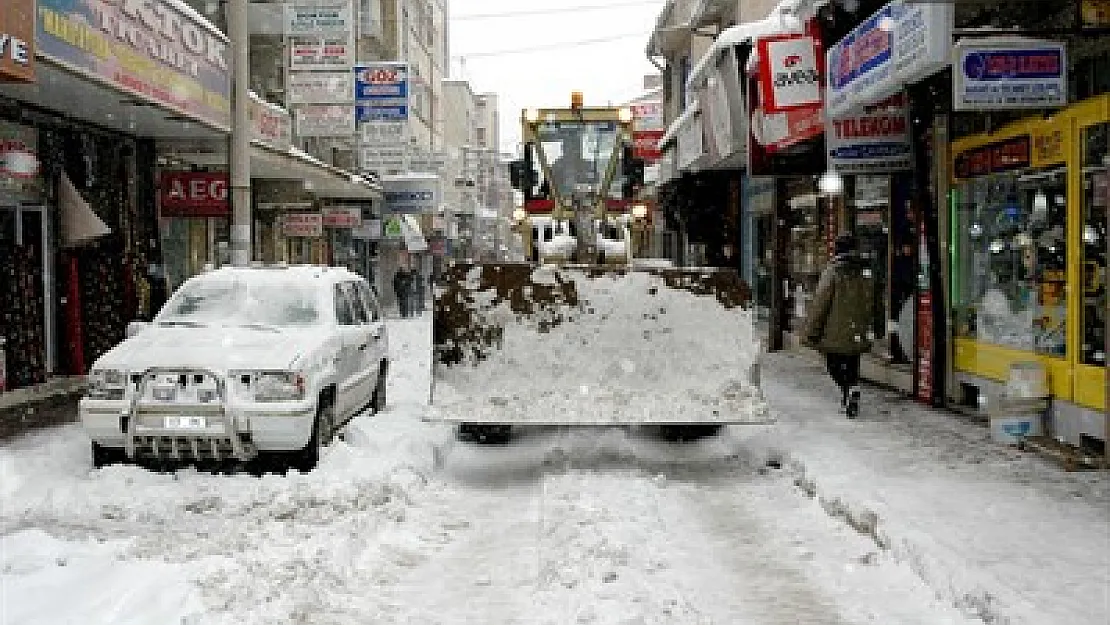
x,y
135,327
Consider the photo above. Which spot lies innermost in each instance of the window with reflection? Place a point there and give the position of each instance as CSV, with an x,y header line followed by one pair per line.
x,y
1010,269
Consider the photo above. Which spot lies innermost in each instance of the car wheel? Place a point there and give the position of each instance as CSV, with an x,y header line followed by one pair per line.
x,y
377,402
322,428
103,456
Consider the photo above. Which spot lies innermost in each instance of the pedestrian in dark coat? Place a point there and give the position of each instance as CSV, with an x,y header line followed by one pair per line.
x,y
402,287
840,319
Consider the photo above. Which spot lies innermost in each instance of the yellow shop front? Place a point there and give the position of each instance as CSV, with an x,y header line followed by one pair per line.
x,y
1028,260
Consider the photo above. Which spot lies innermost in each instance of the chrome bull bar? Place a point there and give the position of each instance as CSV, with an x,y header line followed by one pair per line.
x,y
161,442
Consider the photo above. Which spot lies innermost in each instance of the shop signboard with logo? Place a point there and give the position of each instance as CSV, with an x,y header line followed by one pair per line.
x,y
1002,73
342,216
647,130
874,140
193,194
320,87
371,230
798,117
410,194
152,49
382,91
302,224
325,120
902,43
791,71
384,133
304,18
392,228
17,43
270,124
321,54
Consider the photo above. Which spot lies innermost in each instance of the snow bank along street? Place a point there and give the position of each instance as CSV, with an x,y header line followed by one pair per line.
x,y
903,516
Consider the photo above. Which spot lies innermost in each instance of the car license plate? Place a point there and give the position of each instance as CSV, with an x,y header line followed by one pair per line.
x,y
185,423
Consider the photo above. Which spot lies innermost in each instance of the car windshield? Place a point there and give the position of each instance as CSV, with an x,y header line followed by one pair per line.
x,y
244,302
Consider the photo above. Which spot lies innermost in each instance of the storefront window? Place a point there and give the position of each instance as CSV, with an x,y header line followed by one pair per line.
x,y
1010,267
1096,196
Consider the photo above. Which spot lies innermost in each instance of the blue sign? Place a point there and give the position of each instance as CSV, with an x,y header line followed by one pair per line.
x,y
382,91
1012,73
902,43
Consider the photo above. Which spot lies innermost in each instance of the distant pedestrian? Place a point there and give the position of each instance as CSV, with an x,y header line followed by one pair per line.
x,y
402,288
840,319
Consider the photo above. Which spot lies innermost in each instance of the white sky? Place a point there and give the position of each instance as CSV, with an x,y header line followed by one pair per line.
x,y
611,72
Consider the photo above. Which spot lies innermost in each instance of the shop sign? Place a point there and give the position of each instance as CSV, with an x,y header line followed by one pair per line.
x,y
385,133
371,229
876,140
382,91
153,49
17,45
270,124
410,194
383,159
193,194
18,160
1000,156
324,18
342,216
314,54
1049,146
1096,13
427,162
1003,73
302,224
645,145
791,72
320,87
393,228
902,43
325,120
778,131
647,116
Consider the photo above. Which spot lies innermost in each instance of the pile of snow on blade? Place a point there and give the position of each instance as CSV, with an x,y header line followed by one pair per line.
x,y
624,349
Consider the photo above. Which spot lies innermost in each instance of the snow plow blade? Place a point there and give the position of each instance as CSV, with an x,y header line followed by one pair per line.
x,y
605,346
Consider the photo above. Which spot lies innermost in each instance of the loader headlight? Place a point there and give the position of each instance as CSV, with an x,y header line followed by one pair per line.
x,y
108,384
278,386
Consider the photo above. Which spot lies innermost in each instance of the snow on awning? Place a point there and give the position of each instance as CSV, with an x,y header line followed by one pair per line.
x,y
781,20
672,131
414,236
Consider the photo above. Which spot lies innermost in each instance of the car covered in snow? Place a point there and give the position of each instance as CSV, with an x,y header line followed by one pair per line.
x,y
241,361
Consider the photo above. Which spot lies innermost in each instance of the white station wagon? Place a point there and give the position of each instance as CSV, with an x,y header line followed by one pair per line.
x,y
241,361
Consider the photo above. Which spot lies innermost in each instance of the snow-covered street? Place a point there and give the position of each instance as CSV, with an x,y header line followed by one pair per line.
x,y
904,516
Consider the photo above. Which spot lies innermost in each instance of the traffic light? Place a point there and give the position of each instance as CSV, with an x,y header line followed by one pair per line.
x,y
632,169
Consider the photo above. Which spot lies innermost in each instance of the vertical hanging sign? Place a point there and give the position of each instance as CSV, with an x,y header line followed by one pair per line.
x,y
924,332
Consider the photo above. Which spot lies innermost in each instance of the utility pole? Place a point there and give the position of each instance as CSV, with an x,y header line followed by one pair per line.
x,y
239,34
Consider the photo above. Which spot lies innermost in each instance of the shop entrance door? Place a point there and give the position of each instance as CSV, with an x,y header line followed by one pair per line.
x,y
26,292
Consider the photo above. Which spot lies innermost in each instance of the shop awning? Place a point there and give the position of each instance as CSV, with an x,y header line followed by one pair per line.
x,y
782,19
268,163
672,131
414,236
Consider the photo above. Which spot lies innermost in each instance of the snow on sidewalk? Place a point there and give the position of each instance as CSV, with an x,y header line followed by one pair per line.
x,y
1004,536
124,545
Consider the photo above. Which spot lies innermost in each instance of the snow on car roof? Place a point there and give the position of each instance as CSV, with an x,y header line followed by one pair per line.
x,y
282,273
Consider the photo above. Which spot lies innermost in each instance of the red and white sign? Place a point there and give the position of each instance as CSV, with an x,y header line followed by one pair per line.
x,y
874,140
17,160
303,224
791,72
771,130
342,217
193,194
645,145
647,116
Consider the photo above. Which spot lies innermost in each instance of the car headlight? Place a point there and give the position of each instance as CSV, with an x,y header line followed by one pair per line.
x,y
278,386
107,384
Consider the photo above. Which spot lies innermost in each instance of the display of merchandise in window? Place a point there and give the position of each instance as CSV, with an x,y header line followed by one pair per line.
x,y
1012,260
1096,197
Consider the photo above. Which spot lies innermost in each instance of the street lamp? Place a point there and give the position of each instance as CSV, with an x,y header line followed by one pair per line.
x,y
639,211
519,215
